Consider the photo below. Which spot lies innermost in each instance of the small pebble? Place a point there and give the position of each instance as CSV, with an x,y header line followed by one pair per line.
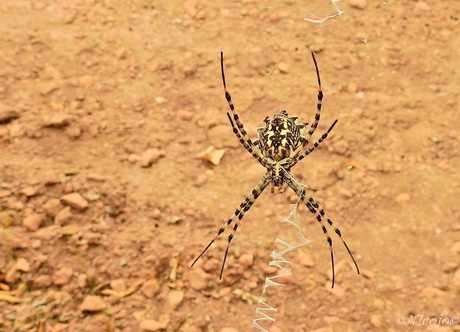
x,y
75,200
352,87
86,81
134,158
150,288
360,4
42,281
92,303
6,115
175,298
246,260
22,265
32,222
52,207
97,177
283,67
62,276
153,325
450,266
59,120
160,100
345,193
376,321
306,259
29,191
64,216
198,279
432,292
11,276
403,199
150,156
118,285
185,115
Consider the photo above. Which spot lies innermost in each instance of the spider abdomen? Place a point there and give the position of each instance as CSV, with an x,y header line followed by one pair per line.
x,y
280,137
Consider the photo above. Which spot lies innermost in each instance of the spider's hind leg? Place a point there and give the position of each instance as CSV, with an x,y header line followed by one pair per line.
x,y
321,216
238,215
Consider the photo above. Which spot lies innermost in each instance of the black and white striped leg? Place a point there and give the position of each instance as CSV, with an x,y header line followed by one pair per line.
x,y
297,158
320,217
237,216
240,132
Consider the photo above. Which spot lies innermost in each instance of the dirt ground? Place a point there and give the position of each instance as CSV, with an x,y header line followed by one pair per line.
x,y
105,106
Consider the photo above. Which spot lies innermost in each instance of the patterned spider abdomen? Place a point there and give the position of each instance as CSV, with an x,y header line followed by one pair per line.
x,y
280,136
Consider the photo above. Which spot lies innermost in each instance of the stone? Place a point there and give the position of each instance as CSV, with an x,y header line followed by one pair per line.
x,y
153,325
29,191
11,276
246,260
92,303
59,120
175,298
118,285
197,279
403,199
62,276
185,115
75,200
22,265
52,207
32,222
306,259
6,116
150,156
42,281
150,288
360,4
63,216
432,292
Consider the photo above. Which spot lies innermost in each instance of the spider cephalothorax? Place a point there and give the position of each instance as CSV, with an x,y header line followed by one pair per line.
x,y
282,143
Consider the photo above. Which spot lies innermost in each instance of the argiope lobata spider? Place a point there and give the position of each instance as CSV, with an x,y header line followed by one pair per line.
x,y
280,146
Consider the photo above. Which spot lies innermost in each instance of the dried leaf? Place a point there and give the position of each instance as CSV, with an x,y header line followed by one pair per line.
x,y
110,292
212,155
4,296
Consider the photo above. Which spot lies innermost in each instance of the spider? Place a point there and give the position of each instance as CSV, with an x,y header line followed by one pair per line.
x,y
280,146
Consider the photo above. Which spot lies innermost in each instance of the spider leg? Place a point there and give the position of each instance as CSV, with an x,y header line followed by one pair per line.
x,y
252,149
240,132
238,215
314,125
320,216
296,157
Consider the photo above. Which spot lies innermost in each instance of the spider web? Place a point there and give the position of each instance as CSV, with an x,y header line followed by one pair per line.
x,y
317,11
278,260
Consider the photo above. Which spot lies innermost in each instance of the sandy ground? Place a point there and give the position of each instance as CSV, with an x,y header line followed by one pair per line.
x,y
105,106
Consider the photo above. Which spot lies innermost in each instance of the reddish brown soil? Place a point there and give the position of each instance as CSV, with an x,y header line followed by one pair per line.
x,y
87,87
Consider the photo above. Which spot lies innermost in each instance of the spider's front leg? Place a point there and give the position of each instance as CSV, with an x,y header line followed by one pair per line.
x,y
238,215
320,216
314,125
297,155
238,127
